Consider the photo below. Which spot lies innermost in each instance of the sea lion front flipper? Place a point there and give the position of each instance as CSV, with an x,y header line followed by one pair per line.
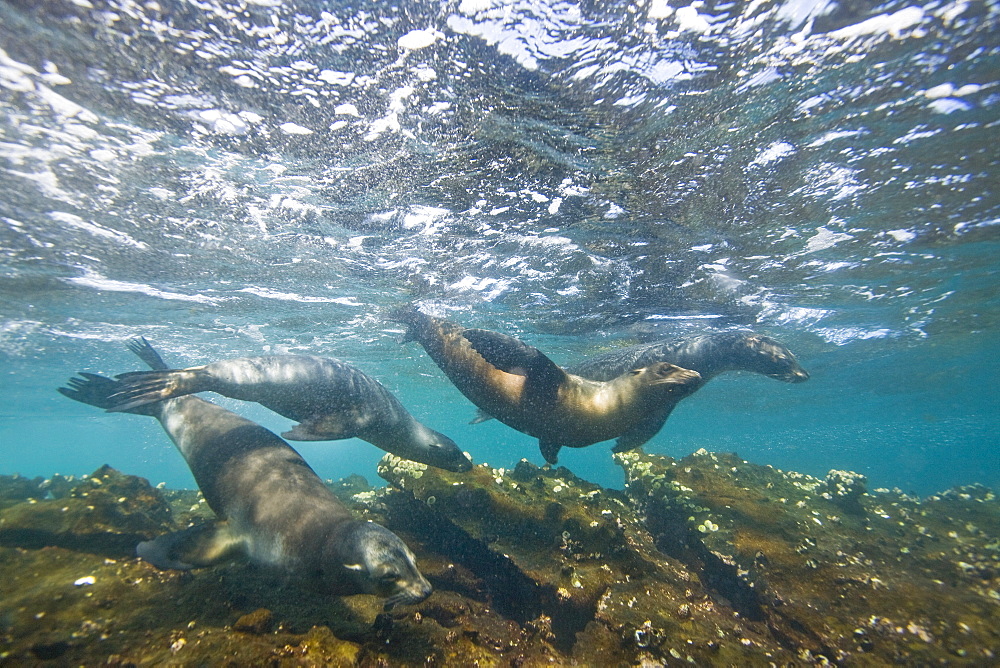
x,y
197,546
513,356
550,450
640,433
481,416
323,428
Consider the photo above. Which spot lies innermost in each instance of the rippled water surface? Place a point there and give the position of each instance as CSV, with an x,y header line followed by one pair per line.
x,y
241,178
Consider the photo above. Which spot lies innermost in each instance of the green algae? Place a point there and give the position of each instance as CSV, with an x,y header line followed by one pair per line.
x,y
707,560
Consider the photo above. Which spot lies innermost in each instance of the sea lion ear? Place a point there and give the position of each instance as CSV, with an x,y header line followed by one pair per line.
x,y
355,567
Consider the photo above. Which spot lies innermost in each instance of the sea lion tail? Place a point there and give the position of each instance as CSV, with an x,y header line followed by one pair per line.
x,y
96,390
139,388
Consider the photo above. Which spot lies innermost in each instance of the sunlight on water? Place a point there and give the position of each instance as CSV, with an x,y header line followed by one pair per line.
x,y
236,179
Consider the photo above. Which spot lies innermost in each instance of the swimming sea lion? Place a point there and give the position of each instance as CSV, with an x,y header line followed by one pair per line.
x,y
331,400
524,389
708,354
273,509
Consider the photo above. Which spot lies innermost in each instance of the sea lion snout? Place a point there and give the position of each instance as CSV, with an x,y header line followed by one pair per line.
x,y
774,360
381,563
413,591
797,375
446,452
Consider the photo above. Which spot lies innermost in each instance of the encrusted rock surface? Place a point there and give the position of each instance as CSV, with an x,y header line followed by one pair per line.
x,y
706,560
827,568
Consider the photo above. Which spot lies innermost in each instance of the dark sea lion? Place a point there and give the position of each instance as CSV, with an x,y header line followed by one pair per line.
x,y
331,400
524,389
273,509
708,354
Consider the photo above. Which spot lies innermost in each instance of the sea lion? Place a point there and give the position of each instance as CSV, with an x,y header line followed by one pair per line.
x,y
524,389
329,399
273,509
708,354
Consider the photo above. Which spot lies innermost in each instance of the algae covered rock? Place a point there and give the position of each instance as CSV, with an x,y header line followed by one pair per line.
x,y
17,488
825,566
106,513
706,560
569,560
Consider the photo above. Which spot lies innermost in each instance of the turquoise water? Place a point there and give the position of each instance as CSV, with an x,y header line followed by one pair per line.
x,y
231,179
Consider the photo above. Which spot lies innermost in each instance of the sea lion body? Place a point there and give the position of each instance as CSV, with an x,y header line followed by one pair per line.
x,y
525,390
708,354
329,399
272,507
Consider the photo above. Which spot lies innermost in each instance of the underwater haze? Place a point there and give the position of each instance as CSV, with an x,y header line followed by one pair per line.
x,y
234,179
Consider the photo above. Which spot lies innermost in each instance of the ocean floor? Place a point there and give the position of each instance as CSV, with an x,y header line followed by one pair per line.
x,y
706,560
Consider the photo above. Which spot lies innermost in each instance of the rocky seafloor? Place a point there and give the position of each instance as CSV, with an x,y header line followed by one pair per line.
x,y
706,560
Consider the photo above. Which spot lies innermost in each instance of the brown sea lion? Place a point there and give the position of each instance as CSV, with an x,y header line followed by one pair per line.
x,y
524,389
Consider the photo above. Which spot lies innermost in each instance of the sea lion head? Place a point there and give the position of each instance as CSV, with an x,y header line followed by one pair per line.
x,y
667,379
443,452
366,558
767,356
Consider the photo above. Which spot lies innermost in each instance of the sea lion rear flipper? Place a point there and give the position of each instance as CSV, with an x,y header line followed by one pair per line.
x,y
513,356
640,433
202,545
98,391
144,351
481,416
550,450
322,428
146,387
90,389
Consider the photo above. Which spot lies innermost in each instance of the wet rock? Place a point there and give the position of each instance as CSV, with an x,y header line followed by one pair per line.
x,y
706,560
17,488
257,622
845,489
568,561
106,513
346,488
810,562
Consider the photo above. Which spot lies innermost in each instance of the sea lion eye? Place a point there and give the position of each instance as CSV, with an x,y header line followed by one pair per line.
x,y
391,576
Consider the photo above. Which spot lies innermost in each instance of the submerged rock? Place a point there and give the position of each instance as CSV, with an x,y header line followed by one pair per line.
x,y
822,566
569,560
105,513
707,560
